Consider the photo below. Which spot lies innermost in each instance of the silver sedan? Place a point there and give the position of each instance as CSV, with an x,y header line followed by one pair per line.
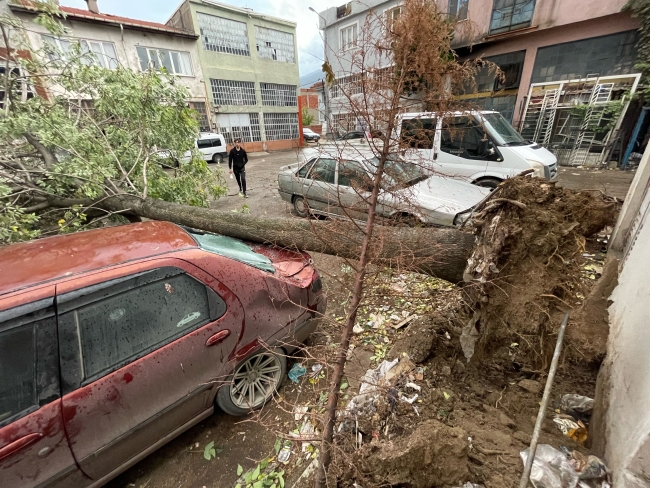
x,y
338,184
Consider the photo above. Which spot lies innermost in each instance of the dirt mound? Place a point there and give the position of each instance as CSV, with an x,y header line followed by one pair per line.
x,y
525,268
433,455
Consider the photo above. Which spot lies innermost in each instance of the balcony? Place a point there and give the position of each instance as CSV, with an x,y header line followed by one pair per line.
x,y
508,15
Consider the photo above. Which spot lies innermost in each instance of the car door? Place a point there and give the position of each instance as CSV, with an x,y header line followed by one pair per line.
x,y
354,186
142,348
33,447
459,147
319,186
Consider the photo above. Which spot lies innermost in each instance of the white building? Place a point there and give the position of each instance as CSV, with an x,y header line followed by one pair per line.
x,y
131,43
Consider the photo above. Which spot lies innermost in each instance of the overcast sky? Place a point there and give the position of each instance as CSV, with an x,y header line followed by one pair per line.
x,y
310,44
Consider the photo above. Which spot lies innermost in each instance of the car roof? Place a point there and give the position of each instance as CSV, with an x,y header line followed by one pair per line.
x,y
340,151
31,263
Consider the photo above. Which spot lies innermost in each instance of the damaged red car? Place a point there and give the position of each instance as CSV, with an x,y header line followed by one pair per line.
x,y
114,341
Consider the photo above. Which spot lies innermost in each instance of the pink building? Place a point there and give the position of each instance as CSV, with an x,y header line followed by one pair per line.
x,y
535,41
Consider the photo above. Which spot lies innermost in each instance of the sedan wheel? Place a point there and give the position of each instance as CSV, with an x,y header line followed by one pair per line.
x,y
217,158
253,383
301,206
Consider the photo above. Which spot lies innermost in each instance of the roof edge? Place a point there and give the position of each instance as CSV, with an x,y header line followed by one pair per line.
x,y
126,24
250,13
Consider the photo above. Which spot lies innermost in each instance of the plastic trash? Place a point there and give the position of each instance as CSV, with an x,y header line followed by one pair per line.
x,y
576,430
316,369
578,406
592,469
296,372
551,468
285,452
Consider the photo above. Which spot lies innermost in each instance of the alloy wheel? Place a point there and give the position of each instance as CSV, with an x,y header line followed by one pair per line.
x,y
255,380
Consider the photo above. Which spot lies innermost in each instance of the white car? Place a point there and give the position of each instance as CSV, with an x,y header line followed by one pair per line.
x,y
337,183
212,146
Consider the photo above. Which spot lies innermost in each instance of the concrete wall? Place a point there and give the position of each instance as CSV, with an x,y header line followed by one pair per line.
x,y
621,426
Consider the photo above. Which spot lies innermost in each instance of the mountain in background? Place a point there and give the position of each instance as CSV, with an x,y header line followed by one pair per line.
x,y
310,78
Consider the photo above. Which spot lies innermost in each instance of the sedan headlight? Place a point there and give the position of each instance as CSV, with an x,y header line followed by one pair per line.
x,y
462,217
538,168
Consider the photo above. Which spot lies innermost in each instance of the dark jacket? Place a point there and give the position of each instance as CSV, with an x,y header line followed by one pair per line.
x,y
237,159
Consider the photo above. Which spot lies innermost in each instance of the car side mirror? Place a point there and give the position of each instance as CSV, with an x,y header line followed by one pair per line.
x,y
485,148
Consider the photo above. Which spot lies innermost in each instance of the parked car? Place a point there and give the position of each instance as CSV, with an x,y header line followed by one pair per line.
x,y
310,135
338,183
212,146
478,147
355,134
114,341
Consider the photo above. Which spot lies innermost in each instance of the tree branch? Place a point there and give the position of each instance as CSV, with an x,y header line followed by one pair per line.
x,y
48,156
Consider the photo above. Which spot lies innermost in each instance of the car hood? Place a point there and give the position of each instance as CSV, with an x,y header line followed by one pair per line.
x,y
446,194
533,152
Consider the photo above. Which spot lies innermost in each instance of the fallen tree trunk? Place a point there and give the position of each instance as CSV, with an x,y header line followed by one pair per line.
x,y
439,252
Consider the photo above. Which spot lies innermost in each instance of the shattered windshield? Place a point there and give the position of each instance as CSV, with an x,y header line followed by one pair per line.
x,y
400,173
231,248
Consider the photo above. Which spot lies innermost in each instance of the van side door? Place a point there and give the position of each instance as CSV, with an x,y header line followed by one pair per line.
x,y
34,450
208,147
459,156
142,350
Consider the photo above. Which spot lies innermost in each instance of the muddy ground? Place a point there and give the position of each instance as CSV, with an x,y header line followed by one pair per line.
x,y
484,401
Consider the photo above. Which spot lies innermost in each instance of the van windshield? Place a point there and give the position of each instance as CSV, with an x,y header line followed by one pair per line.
x,y
502,131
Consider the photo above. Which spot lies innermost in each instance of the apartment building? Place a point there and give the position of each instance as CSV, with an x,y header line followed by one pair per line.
x,y
250,66
120,41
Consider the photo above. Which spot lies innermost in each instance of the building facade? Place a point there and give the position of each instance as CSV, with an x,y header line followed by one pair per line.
x,y
250,67
120,41
541,41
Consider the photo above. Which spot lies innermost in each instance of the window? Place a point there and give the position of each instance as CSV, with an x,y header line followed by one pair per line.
x,y
511,14
391,16
343,123
324,170
239,126
22,90
202,111
175,62
94,53
207,143
418,133
223,35
28,359
280,126
461,136
344,10
302,172
351,173
279,95
17,371
228,92
603,56
348,85
458,9
274,44
348,37
123,320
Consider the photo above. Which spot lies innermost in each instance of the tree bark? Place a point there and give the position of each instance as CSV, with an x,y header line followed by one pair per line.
x,y
439,252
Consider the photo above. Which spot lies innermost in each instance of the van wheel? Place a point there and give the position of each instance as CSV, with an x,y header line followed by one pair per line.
x,y
217,158
488,182
253,383
301,206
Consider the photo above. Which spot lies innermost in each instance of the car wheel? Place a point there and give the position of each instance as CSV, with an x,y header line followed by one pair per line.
x,y
301,206
488,182
217,158
253,383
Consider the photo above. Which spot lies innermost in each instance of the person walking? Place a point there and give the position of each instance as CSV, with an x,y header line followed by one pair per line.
x,y
237,159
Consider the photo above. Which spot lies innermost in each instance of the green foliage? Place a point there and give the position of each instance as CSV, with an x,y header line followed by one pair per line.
x,y
640,9
603,118
113,136
307,118
210,452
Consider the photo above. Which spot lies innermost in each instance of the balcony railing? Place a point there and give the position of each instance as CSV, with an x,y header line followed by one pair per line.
x,y
517,15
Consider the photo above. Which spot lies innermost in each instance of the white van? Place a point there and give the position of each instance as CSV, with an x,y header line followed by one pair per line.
x,y
212,146
480,147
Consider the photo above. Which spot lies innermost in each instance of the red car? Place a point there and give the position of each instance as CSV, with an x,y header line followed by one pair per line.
x,y
114,341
